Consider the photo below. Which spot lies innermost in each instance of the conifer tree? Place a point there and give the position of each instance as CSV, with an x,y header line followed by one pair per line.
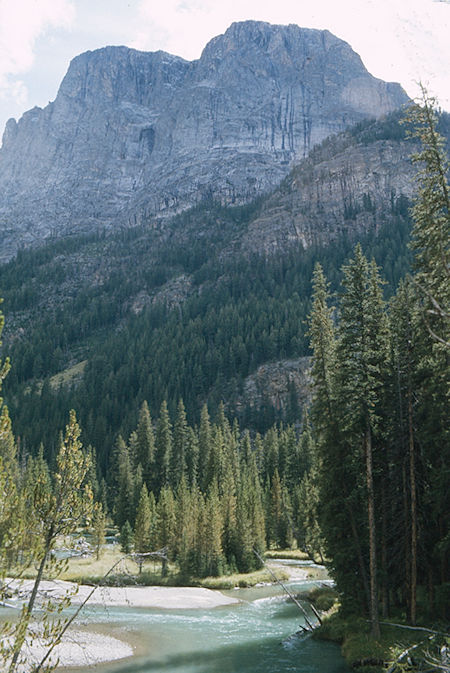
x,y
186,528
125,498
362,354
431,221
180,446
192,457
204,446
126,538
166,525
228,507
216,458
145,444
99,527
143,525
275,513
339,493
270,453
213,533
431,246
163,450
402,431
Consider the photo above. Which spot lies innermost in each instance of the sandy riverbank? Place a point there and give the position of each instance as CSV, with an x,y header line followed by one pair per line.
x,y
136,597
81,648
85,647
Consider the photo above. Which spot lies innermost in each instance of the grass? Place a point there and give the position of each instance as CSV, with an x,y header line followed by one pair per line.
x,y
68,375
79,567
290,554
324,599
89,570
362,652
242,580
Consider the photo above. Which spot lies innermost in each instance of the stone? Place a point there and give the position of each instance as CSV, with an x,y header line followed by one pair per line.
x,y
135,136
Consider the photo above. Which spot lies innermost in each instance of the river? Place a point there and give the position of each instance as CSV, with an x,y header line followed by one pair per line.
x,y
254,636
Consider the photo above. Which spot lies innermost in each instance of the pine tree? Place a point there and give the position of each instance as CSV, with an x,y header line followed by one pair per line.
x,y
339,490
431,221
99,527
145,444
163,450
204,446
126,538
431,246
166,525
214,560
180,446
228,506
192,458
275,513
125,498
361,355
142,527
186,529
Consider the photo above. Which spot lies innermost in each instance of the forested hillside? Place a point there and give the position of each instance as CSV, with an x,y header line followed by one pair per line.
x,y
149,332
183,311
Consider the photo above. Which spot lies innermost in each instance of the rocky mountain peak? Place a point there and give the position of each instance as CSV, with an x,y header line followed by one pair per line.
x,y
134,136
112,74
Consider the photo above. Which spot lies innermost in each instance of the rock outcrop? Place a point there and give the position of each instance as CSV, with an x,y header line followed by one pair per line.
x,y
135,135
350,190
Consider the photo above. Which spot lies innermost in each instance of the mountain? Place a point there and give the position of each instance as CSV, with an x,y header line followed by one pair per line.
x,y
133,137
208,305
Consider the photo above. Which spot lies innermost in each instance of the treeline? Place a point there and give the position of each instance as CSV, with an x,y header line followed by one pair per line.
x,y
380,415
109,301
238,315
211,494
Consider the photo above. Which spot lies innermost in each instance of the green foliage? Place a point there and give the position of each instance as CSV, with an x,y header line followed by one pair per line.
x,y
126,538
45,508
145,521
99,527
431,217
380,423
237,313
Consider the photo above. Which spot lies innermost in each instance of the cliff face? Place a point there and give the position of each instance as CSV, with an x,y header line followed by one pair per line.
x,y
352,189
134,135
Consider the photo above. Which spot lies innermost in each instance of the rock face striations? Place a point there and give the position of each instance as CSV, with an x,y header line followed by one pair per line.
x,y
134,135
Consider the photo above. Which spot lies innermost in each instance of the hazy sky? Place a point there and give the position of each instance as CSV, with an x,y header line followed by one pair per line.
x,y
398,40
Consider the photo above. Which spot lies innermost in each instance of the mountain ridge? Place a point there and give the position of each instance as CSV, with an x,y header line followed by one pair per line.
x,y
133,136
195,307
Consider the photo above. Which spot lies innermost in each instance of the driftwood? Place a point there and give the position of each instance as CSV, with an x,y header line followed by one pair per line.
x,y
311,626
405,654
416,628
368,662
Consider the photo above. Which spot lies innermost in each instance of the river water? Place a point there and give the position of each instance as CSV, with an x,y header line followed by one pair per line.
x,y
254,636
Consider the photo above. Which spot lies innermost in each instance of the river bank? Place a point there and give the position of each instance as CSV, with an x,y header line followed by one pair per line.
x,y
84,647
87,645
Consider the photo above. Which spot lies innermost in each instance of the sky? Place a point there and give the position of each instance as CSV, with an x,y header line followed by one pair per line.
x,y
405,41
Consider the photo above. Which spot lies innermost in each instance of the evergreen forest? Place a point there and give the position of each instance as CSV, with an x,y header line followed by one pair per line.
x,y
359,480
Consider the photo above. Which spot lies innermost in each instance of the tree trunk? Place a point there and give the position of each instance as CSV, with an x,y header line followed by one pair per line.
x,y
362,567
412,481
23,626
384,555
406,589
374,619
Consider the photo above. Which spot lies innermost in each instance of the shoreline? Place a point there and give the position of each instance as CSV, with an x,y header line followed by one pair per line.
x,y
85,645
178,598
